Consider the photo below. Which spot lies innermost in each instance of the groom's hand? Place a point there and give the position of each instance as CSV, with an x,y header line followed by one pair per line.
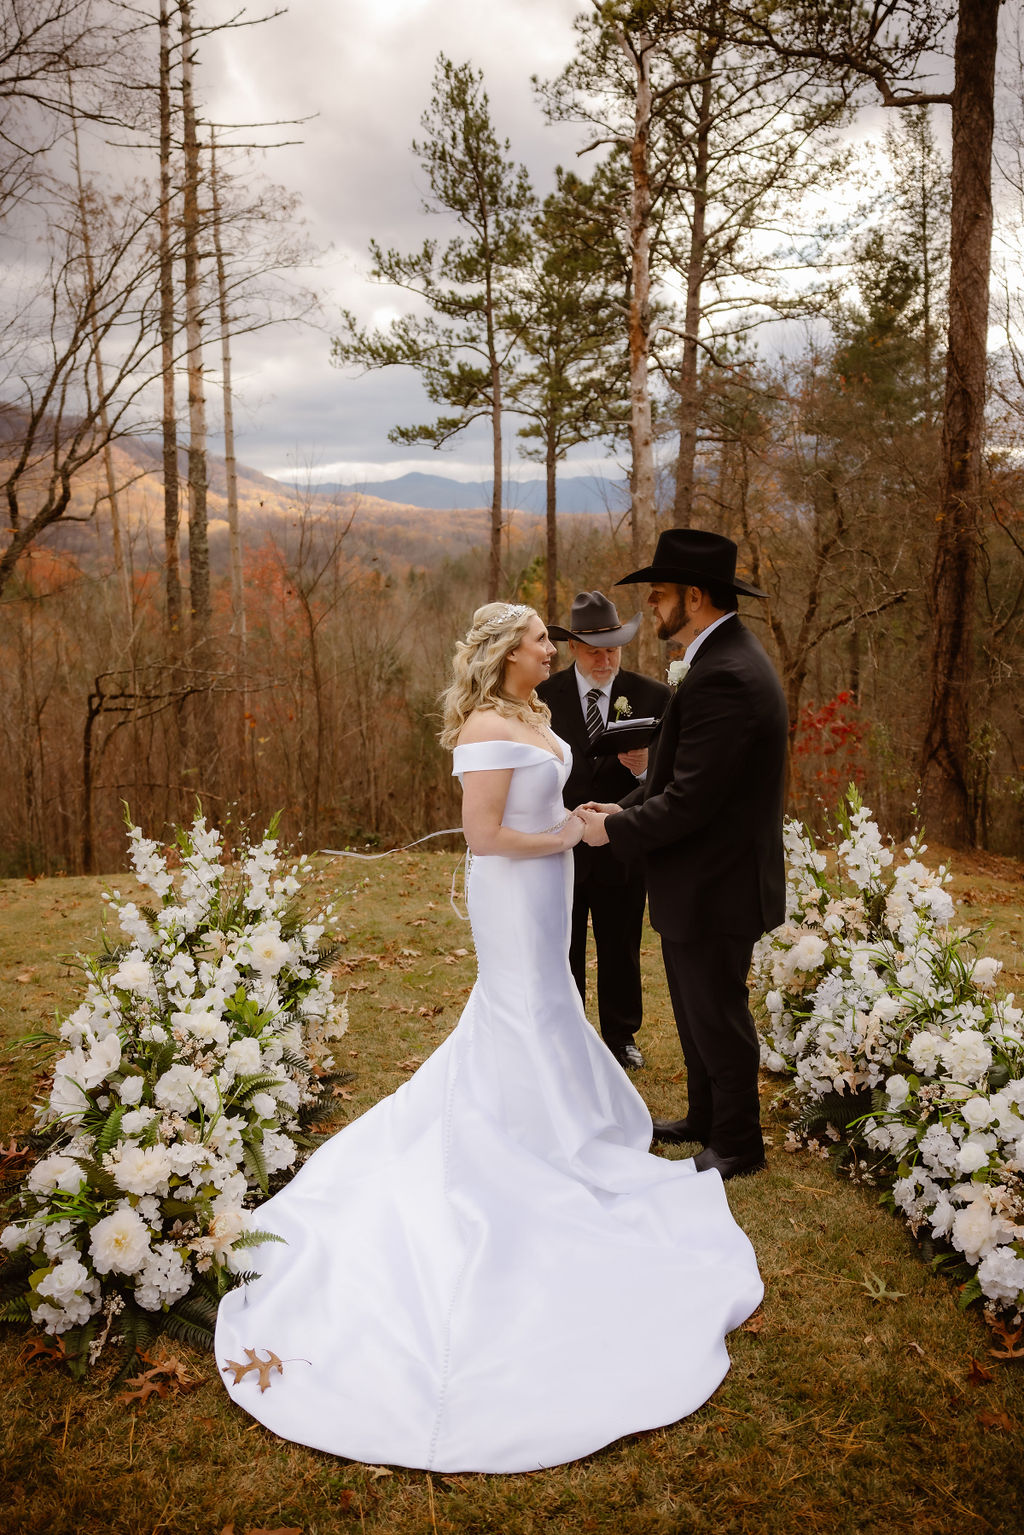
x,y
593,804
594,833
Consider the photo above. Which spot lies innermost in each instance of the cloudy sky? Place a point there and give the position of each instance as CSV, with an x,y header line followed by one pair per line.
x,y
366,71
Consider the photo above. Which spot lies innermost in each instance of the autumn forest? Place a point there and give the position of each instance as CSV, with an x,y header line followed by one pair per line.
x,y
779,284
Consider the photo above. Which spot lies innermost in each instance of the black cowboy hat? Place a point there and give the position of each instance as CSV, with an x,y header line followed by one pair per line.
x,y
688,557
594,621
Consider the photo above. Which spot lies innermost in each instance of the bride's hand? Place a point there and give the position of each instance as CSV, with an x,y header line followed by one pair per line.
x,y
571,832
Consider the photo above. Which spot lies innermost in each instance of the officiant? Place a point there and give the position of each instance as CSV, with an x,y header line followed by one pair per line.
x,y
607,893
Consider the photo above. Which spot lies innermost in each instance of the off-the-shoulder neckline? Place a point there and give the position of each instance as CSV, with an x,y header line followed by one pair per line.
x,y
526,745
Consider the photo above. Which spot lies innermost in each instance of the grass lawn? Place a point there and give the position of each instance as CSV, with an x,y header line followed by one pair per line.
x,y
842,1413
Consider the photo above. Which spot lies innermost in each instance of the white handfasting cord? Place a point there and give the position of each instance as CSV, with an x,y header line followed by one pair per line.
x,y
449,831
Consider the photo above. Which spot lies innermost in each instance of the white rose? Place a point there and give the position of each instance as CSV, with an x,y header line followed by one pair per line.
x,y
966,1055
134,973
263,1105
119,1243
985,971
143,1170
808,952
242,1057
63,1281
977,1112
924,1051
897,1089
56,1172
130,1090
773,1001
971,1157
975,1229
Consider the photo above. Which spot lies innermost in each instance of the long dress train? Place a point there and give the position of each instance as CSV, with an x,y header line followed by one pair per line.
x,y
488,1271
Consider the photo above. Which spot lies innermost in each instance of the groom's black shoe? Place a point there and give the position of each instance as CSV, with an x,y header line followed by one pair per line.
x,y
729,1167
677,1132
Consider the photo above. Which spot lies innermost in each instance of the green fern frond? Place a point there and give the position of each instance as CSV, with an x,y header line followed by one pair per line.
x,y
196,1335
255,1165
111,1131
256,1239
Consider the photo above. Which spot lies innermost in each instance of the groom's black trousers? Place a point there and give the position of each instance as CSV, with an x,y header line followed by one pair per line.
x,y
707,981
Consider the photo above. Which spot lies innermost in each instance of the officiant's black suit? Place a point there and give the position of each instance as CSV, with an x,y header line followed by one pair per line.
x,y
707,825
605,889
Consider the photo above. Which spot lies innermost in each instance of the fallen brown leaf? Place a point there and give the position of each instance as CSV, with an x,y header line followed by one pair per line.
x,y
263,1367
1012,1340
999,1420
977,1375
754,1323
42,1348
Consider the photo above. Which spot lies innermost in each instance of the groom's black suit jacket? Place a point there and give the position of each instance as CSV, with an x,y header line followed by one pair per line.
x,y
708,821
597,778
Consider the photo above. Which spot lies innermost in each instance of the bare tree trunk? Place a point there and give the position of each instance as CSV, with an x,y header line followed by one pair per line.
x,y
172,569
198,543
120,566
682,509
551,510
230,464
494,567
945,765
641,435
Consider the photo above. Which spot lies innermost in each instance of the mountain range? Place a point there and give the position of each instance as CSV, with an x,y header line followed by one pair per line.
x,y
585,493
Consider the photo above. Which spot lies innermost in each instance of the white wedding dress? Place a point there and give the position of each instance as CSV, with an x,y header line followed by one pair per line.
x,y
488,1271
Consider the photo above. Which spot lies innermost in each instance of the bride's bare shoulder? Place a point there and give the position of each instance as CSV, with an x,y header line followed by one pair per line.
x,y
486,725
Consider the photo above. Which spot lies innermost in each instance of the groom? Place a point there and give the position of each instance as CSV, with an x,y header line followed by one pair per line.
x,y
707,825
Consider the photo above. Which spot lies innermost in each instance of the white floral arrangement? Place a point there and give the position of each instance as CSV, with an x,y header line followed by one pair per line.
x,y
676,671
892,1033
195,1068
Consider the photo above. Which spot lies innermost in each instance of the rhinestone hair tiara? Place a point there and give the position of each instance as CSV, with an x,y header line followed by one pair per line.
x,y
509,611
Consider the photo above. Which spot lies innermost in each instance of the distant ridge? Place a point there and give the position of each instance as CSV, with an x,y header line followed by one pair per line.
x,y
585,493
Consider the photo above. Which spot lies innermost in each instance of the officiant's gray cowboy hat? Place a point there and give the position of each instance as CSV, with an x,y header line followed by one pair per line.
x,y
688,557
594,621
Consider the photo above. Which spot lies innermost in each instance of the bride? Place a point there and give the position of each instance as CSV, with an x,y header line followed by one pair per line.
x,y
458,1262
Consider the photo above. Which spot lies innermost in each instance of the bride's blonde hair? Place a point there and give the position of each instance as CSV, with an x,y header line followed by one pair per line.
x,y
478,670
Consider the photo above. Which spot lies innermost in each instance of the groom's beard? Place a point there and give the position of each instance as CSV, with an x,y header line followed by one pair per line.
x,y
673,623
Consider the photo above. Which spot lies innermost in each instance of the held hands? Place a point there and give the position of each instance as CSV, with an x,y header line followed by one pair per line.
x,y
571,832
594,817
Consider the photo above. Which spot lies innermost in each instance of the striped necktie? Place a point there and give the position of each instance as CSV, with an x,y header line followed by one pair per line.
x,y
595,724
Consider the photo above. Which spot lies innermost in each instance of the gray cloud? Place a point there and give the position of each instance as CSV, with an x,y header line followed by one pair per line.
x,y
366,72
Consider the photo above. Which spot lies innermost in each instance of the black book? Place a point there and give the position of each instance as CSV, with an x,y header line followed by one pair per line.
x,y
623,736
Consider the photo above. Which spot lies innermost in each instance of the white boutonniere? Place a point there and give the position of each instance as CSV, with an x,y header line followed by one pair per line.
x,y
622,707
677,670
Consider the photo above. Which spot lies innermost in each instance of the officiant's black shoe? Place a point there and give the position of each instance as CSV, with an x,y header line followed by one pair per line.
x,y
677,1132
628,1056
729,1167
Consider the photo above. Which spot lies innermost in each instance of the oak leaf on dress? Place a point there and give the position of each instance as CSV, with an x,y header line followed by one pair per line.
x,y
264,1367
